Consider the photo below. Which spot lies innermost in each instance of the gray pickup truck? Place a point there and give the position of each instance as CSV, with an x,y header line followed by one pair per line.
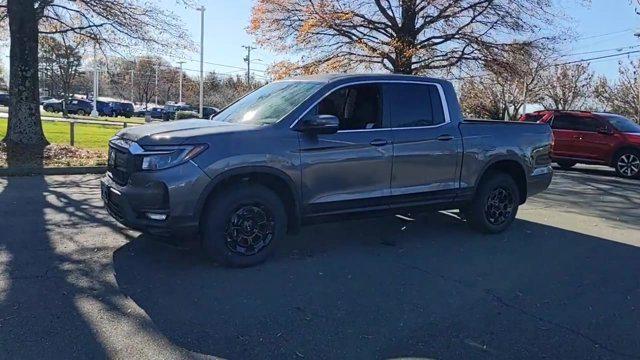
x,y
319,148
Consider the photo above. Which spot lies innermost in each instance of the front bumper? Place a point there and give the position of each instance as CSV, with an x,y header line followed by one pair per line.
x,y
540,180
172,192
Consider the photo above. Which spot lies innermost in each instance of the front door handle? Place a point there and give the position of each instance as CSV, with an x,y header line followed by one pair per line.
x,y
445,138
379,142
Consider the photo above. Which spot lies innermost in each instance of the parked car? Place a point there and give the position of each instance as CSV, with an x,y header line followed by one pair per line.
x,y
321,148
104,108
79,107
170,110
156,113
44,99
120,108
74,106
52,105
593,138
209,111
4,99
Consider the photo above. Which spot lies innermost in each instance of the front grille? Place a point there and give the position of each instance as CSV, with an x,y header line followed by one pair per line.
x,y
121,163
114,210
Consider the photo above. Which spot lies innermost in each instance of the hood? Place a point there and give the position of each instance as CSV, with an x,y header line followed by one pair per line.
x,y
178,131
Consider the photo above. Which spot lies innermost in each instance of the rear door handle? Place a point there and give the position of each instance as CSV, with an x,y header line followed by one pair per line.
x,y
445,138
379,142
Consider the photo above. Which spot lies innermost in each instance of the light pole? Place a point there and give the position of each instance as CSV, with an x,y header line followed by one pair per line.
x,y
132,98
94,112
201,9
180,96
156,85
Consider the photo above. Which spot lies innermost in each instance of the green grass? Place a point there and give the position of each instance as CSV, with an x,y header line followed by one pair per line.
x,y
87,136
133,120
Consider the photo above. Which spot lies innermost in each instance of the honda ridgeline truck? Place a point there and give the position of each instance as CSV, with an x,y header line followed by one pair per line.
x,y
319,148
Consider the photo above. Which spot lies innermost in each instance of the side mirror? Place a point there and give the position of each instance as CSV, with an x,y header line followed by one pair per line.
x,y
320,124
605,131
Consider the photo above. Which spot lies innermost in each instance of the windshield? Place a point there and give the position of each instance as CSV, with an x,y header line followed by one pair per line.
x,y
269,104
622,124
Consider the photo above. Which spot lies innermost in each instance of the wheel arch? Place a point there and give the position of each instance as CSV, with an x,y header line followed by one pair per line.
x,y
620,150
511,167
276,180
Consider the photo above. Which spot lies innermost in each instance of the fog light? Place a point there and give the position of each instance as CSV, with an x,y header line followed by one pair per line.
x,y
154,216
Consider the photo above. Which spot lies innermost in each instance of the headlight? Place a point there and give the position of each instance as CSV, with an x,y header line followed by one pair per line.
x,y
163,157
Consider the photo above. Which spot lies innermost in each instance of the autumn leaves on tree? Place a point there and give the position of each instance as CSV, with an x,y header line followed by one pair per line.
x,y
404,36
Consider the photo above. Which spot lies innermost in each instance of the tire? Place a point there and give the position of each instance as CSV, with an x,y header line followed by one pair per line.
x,y
627,164
566,164
243,205
48,109
497,217
81,112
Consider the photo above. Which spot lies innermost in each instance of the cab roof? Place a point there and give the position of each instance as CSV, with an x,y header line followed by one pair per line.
x,y
328,78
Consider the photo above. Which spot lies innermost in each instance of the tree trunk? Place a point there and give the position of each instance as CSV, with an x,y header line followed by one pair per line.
x,y
24,128
406,37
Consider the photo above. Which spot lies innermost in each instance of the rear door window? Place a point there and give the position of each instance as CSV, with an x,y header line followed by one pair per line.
x,y
414,105
564,122
588,124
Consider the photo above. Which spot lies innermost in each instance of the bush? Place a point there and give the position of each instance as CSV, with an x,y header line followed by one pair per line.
x,y
181,115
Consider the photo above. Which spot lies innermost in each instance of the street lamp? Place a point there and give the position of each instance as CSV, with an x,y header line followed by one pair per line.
x,y
201,9
94,112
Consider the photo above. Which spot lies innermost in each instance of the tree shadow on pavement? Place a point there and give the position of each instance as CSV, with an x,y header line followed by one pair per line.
x,y
610,198
39,317
382,289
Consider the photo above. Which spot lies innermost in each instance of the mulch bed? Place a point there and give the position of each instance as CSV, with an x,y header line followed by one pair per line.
x,y
64,156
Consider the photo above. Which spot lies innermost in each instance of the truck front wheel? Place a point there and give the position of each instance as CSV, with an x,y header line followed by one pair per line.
x,y
242,225
495,204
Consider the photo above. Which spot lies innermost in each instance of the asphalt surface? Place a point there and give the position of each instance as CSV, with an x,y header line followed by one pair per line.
x,y
563,282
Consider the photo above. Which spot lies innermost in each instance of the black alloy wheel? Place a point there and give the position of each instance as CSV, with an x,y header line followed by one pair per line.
x,y
250,229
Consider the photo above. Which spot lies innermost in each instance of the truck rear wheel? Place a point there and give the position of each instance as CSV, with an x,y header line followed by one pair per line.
x,y
495,204
242,225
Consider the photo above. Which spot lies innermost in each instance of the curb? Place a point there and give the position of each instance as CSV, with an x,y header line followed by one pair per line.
x,y
28,171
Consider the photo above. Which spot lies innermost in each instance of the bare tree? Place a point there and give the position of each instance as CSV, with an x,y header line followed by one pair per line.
x,y
506,84
621,96
62,53
113,24
402,36
479,99
567,87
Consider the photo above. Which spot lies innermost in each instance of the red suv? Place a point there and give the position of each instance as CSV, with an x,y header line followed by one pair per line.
x,y
593,138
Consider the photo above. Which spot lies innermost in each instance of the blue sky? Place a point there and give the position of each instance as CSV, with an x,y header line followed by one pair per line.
x,y
226,20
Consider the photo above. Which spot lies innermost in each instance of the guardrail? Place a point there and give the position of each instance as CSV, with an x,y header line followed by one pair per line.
x,y
73,122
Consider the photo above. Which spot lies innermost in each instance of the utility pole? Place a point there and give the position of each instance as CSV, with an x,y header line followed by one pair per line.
x,y
247,59
132,98
180,96
637,71
201,9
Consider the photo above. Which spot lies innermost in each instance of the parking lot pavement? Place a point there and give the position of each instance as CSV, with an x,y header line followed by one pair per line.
x,y
561,283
